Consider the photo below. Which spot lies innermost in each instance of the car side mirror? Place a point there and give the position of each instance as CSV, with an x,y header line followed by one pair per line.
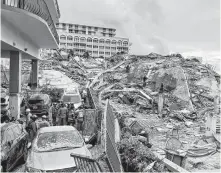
x,y
89,146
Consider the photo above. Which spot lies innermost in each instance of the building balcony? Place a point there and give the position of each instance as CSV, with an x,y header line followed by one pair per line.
x,y
28,24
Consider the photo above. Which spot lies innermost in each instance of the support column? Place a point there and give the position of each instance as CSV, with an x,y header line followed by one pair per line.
x,y
34,77
15,83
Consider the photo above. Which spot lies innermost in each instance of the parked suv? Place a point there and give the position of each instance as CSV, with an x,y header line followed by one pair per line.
x,y
72,96
14,145
39,104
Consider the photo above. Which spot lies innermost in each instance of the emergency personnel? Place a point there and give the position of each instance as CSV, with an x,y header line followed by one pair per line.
x,y
62,115
53,114
71,115
32,128
27,116
42,122
80,117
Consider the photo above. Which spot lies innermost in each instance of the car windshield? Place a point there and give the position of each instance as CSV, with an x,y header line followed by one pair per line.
x,y
58,140
36,101
71,99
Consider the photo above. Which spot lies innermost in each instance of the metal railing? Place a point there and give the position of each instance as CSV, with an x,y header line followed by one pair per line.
x,y
86,164
110,146
37,7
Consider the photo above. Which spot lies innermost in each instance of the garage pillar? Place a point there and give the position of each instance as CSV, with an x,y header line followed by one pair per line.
x,y
34,74
15,83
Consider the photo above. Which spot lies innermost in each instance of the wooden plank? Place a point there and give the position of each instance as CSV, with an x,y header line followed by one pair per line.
x,y
170,165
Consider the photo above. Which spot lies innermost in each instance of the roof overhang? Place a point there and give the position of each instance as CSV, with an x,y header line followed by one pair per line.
x,y
25,29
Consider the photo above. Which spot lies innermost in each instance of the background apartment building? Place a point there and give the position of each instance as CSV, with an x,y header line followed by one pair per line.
x,y
97,41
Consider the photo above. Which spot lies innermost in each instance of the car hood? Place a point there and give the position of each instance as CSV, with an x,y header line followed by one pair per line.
x,y
56,159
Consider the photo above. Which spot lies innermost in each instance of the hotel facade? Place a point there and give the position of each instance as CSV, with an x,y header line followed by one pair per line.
x,y
97,41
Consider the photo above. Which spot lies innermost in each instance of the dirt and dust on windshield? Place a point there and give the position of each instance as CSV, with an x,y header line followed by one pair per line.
x,y
54,140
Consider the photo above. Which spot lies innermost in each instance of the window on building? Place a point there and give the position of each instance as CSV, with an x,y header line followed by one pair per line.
x,y
95,40
110,30
71,30
119,43
69,44
113,48
101,47
64,25
62,37
101,41
113,42
110,35
83,32
125,43
96,28
70,26
70,38
104,29
104,34
83,40
89,40
101,53
95,46
89,46
107,53
76,26
107,47
107,41
57,25
63,44
76,39
84,27
89,28
89,32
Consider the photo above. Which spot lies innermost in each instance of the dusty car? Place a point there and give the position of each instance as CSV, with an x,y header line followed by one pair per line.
x,y
51,149
39,104
14,145
72,96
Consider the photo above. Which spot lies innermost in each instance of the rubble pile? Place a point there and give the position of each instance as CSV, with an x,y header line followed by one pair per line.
x,y
188,84
189,90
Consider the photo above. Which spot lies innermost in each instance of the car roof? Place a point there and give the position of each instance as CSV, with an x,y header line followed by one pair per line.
x,y
39,97
56,129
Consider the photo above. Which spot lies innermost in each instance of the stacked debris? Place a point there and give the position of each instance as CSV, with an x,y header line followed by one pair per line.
x,y
134,85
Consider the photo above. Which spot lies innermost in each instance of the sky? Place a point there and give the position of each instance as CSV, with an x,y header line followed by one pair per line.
x,y
189,27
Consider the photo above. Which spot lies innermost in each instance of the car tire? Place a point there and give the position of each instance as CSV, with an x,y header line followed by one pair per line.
x,y
25,156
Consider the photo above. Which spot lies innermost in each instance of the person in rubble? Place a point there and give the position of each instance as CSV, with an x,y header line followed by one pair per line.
x,y
71,115
53,114
127,69
144,80
62,115
160,101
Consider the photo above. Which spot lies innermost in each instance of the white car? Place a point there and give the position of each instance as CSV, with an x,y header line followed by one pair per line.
x,y
72,95
52,147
